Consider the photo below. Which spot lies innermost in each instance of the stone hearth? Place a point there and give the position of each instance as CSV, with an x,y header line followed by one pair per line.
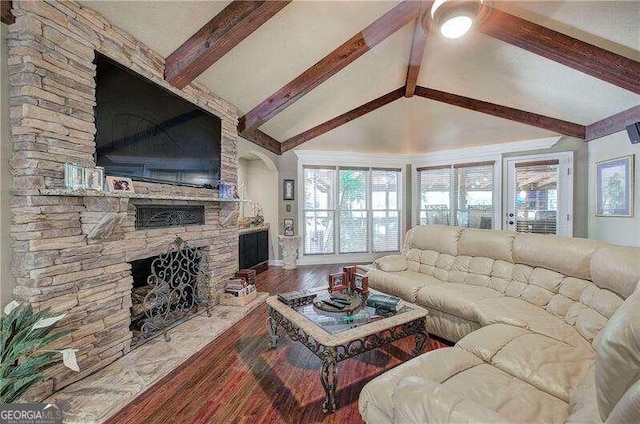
x,y
72,250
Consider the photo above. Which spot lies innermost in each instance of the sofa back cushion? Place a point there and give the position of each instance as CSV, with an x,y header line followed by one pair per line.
x,y
439,238
618,362
566,255
487,243
616,268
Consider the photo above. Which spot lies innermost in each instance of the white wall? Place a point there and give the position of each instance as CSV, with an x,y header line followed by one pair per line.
x,y
259,169
262,187
623,231
7,281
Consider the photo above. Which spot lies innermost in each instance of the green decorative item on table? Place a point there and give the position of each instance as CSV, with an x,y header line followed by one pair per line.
x,y
25,334
385,302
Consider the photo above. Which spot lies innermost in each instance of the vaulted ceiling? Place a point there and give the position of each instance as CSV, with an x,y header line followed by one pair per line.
x,y
280,43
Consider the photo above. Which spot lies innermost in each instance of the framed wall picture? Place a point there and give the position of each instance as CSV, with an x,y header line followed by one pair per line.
x,y
288,190
121,184
288,227
614,187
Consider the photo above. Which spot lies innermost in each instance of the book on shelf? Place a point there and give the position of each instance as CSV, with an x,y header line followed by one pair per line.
x,y
385,302
240,292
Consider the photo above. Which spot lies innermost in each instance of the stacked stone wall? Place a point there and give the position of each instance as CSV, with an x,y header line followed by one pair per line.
x,y
52,47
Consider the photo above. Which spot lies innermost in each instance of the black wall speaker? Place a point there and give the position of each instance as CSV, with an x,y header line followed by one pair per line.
x,y
634,132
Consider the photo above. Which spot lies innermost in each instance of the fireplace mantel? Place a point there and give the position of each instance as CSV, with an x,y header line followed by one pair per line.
x,y
154,196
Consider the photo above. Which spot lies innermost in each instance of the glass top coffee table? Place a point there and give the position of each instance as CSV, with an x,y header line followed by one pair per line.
x,y
336,336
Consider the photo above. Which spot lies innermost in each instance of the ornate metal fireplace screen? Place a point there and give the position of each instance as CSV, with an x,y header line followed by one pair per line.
x,y
178,284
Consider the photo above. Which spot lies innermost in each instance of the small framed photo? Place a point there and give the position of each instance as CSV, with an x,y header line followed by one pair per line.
x,y
228,191
614,187
74,176
120,184
288,190
94,178
338,282
360,284
288,227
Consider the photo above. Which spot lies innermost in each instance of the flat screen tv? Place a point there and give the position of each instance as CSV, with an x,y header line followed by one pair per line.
x,y
147,133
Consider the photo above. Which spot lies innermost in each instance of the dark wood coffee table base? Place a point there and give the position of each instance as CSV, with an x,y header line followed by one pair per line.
x,y
331,355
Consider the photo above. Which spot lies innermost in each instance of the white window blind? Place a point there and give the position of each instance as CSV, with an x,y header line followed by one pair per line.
x,y
354,219
473,195
434,185
319,210
351,210
385,209
459,195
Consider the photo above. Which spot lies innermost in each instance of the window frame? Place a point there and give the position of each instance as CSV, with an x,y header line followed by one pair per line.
x,y
369,207
453,168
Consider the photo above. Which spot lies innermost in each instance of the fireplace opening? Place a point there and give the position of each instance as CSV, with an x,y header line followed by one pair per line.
x,y
167,289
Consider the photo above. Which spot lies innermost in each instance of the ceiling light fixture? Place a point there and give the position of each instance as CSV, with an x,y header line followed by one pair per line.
x,y
454,18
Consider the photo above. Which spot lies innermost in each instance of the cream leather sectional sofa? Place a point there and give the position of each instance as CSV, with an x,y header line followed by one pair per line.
x,y
547,330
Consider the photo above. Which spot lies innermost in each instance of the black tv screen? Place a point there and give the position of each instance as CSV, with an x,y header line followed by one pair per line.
x,y
147,133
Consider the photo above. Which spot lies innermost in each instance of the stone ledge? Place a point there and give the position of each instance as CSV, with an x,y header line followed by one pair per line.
x,y
155,196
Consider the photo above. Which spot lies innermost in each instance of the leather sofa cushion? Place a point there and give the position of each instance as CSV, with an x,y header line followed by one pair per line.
x,y
519,313
616,268
379,392
487,243
403,284
448,326
508,396
567,255
455,299
550,365
618,361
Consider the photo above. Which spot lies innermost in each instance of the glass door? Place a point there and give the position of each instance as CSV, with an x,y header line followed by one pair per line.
x,y
539,194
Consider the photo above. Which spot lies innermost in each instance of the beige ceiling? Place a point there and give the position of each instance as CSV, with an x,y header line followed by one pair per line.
x,y
475,66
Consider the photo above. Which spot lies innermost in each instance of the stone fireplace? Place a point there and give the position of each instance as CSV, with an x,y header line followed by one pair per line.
x,y
72,250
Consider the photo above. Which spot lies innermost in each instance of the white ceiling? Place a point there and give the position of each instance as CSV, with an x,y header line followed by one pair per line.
x,y
475,66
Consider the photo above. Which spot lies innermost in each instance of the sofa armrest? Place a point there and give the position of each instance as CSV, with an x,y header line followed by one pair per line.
x,y
392,263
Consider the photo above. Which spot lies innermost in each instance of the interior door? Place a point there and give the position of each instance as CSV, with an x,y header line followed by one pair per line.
x,y
539,194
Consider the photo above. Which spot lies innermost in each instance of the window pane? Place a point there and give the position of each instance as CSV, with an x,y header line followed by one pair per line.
x,y
318,188
353,231
318,232
352,196
386,231
537,198
384,189
474,196
434,195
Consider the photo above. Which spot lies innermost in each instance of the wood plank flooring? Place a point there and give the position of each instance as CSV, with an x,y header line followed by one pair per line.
x,y
237,379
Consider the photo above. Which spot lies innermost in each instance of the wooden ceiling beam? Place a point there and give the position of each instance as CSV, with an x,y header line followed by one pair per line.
x,y
263,140
517,115
221,34
584,57
415,58
613,124
7,16
318,130
328,66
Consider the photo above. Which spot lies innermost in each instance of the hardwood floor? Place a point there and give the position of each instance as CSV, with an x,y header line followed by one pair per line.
x,y
237,379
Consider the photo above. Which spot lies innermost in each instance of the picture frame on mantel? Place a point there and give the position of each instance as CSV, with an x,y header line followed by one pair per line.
x,y
614,187
288,192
